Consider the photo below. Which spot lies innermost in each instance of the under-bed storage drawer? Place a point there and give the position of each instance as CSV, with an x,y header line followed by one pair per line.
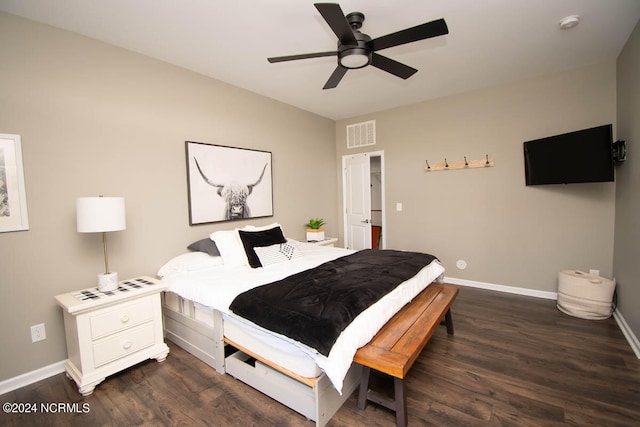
x,y
286,390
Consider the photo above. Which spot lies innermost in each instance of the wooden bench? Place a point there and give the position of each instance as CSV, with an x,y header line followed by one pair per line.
x,y
398,344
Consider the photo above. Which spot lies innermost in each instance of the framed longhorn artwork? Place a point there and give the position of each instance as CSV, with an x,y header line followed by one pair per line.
x,y
227,183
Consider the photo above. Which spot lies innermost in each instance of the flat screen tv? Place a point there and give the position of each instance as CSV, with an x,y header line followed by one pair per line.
x,y
581,156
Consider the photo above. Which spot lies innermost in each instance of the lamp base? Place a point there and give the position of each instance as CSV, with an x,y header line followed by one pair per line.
x,y
107,282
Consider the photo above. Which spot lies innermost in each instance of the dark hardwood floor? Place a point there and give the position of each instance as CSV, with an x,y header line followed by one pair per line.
x,y
514,361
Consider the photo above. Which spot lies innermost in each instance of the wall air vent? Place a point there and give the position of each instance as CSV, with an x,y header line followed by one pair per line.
x,y
361,134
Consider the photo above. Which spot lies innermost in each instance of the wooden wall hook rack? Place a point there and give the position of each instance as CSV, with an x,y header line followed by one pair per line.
x,y
463,164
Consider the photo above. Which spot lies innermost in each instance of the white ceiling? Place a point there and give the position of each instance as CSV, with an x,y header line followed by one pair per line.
x,y
489,42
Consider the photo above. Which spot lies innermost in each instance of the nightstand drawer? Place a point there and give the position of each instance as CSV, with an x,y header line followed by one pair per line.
x,y
111,320
123,344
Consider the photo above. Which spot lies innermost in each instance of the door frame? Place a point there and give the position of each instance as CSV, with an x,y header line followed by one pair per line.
x,y
380,154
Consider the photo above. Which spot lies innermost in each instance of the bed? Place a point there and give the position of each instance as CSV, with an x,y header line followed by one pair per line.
x,y
218,271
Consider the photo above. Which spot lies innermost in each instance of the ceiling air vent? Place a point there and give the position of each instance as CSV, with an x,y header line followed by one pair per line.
x,y
361,134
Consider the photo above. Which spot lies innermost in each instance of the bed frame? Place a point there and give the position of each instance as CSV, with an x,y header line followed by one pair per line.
x,y
199,330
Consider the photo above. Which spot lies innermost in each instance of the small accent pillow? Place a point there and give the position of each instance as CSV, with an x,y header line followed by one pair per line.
x,y
278,253
205,245
230,247
254,239
190,261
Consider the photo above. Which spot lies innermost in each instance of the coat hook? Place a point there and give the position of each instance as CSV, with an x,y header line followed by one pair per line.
x,y
465,161
446,165
427,162
487,162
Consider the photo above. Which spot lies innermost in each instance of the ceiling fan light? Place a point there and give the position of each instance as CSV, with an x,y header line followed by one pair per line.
x,y
355,58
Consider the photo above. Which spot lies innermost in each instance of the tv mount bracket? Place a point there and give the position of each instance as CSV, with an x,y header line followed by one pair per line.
x,y
619,151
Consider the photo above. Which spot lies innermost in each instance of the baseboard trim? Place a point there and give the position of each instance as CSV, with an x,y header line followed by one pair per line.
x,y
503,288
628,333
31,377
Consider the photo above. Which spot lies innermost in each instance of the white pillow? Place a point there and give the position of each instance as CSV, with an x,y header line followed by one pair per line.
x,y
279,252
230,247
190,261
260,228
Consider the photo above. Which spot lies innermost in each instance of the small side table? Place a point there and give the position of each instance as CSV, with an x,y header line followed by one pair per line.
x,y
110,331
329,241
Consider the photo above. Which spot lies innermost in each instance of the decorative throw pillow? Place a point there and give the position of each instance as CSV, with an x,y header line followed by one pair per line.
x,y
205,245
278,253
230,247
254,239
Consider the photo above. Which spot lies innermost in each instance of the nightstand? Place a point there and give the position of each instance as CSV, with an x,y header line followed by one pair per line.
x,y
329,241
111,331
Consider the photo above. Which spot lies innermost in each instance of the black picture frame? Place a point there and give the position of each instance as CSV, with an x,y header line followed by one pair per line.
x,y
227,183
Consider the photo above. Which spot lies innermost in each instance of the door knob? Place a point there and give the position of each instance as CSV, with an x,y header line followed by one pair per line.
x,y
366,221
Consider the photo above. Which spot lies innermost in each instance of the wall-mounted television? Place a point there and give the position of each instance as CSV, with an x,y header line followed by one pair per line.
x,y
581,156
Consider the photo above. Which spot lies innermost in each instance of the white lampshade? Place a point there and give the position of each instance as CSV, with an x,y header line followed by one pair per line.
x,y
100,214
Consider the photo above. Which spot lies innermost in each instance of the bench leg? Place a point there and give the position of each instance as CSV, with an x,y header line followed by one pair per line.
x,y
364,388
448,320
401,403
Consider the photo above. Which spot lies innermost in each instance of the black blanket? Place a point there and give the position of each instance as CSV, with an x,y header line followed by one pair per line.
x,y
316,305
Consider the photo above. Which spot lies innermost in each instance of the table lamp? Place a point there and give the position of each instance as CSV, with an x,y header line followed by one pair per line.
x,y
102,215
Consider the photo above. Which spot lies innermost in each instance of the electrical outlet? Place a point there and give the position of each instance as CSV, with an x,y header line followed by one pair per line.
x,y
38,333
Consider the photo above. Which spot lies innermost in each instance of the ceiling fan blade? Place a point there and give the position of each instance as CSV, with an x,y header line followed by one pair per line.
x,y
390,66
420,32
301,56
335,78
332,13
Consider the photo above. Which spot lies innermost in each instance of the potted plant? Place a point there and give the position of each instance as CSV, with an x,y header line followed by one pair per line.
x,y
315,232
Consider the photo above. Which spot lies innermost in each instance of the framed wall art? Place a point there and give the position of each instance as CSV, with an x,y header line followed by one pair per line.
x,y
227,183
13,198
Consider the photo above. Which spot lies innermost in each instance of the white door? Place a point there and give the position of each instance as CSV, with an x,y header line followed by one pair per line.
x,y
357,201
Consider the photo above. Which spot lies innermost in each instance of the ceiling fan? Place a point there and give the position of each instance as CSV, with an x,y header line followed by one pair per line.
x,y
357,50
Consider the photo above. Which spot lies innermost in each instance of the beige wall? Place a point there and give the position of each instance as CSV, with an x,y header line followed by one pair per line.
x,y
627,235
96,119
508,234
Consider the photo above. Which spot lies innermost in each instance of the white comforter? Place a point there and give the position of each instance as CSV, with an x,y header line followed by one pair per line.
x,y
217,287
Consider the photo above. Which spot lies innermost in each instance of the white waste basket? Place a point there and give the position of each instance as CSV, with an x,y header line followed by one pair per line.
x,y
585,295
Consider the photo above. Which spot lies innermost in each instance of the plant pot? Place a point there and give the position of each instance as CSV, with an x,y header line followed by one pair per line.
x,y
315,235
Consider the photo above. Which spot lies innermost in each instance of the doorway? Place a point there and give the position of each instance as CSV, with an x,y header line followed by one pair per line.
x,y
363,199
